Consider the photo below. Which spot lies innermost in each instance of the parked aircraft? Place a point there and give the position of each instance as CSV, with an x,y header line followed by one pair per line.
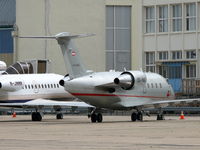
x,y
35,91
126,90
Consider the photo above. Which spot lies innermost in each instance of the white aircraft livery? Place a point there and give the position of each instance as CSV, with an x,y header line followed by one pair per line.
x,y
35,91
126,90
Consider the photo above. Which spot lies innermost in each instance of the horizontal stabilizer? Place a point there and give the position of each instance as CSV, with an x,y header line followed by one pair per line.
x,y
59,35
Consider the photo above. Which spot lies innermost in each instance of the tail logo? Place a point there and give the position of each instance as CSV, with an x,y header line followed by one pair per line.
x,y
73,53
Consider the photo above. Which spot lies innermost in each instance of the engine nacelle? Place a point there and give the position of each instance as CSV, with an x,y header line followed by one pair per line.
x,y
126,80
129,79
11,85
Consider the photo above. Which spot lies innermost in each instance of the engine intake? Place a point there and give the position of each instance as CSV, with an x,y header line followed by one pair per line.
x,y
125,80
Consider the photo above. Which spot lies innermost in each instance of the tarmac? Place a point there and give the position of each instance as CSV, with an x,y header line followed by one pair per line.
x,y
114,133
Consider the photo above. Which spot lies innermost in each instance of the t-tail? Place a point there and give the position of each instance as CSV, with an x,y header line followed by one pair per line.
x,y
73,62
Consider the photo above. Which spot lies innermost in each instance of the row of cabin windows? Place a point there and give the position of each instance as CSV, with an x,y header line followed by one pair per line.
x,y
41,86
156,85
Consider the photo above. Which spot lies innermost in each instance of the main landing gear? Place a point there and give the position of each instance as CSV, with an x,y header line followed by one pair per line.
x,y
36,116
160,115
137,116
95,117
59,116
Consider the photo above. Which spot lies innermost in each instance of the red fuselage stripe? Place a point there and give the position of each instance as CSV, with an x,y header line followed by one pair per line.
x,y
93,94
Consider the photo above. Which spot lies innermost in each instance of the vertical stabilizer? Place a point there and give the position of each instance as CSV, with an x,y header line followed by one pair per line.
x,y
75,66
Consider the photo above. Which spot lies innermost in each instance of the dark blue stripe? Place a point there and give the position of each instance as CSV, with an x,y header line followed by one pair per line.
x,y
15,101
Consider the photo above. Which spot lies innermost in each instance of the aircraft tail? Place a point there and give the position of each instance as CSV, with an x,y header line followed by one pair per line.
x,y
73,62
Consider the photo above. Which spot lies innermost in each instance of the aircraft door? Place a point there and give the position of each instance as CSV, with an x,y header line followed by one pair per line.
x,y
35,87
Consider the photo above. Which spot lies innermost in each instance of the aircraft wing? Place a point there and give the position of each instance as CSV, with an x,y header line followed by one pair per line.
x,y
164,103
176,101
41,103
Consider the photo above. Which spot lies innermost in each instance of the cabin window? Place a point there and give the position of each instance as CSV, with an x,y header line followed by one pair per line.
x,y
45,86
152,85
147,85
160,85
156,85
57,85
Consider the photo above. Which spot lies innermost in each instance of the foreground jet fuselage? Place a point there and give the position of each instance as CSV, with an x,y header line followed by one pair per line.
x,y
119,90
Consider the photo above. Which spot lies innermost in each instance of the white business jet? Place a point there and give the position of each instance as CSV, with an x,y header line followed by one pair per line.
x,y
35,91
126,90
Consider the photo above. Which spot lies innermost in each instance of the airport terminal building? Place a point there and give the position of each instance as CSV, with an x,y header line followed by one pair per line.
x,y
154,35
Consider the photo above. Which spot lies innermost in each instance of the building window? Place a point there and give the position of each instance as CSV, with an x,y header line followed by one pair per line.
x,y
177,17
191,54
163,70
118,37
163,18
190,17
177,55
191,71
150,61
150,19
163,55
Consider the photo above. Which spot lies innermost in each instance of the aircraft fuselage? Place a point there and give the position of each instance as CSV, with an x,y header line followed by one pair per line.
x,y
99,89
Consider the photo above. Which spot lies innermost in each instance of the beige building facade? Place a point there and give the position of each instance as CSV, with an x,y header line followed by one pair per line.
x,y
49,17
153,35
114,47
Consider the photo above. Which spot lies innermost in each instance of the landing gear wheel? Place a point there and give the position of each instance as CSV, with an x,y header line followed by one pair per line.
x,y
140,116
160,117
59,116
93,117
36,116
99,117
134,116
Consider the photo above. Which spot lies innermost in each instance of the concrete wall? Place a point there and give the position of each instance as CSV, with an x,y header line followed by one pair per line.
x,y
49,17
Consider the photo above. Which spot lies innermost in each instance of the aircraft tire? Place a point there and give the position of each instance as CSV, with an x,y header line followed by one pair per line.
x,y
36,116
99,117
160,117
133,116
93,118
59,116
33,116
140,116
